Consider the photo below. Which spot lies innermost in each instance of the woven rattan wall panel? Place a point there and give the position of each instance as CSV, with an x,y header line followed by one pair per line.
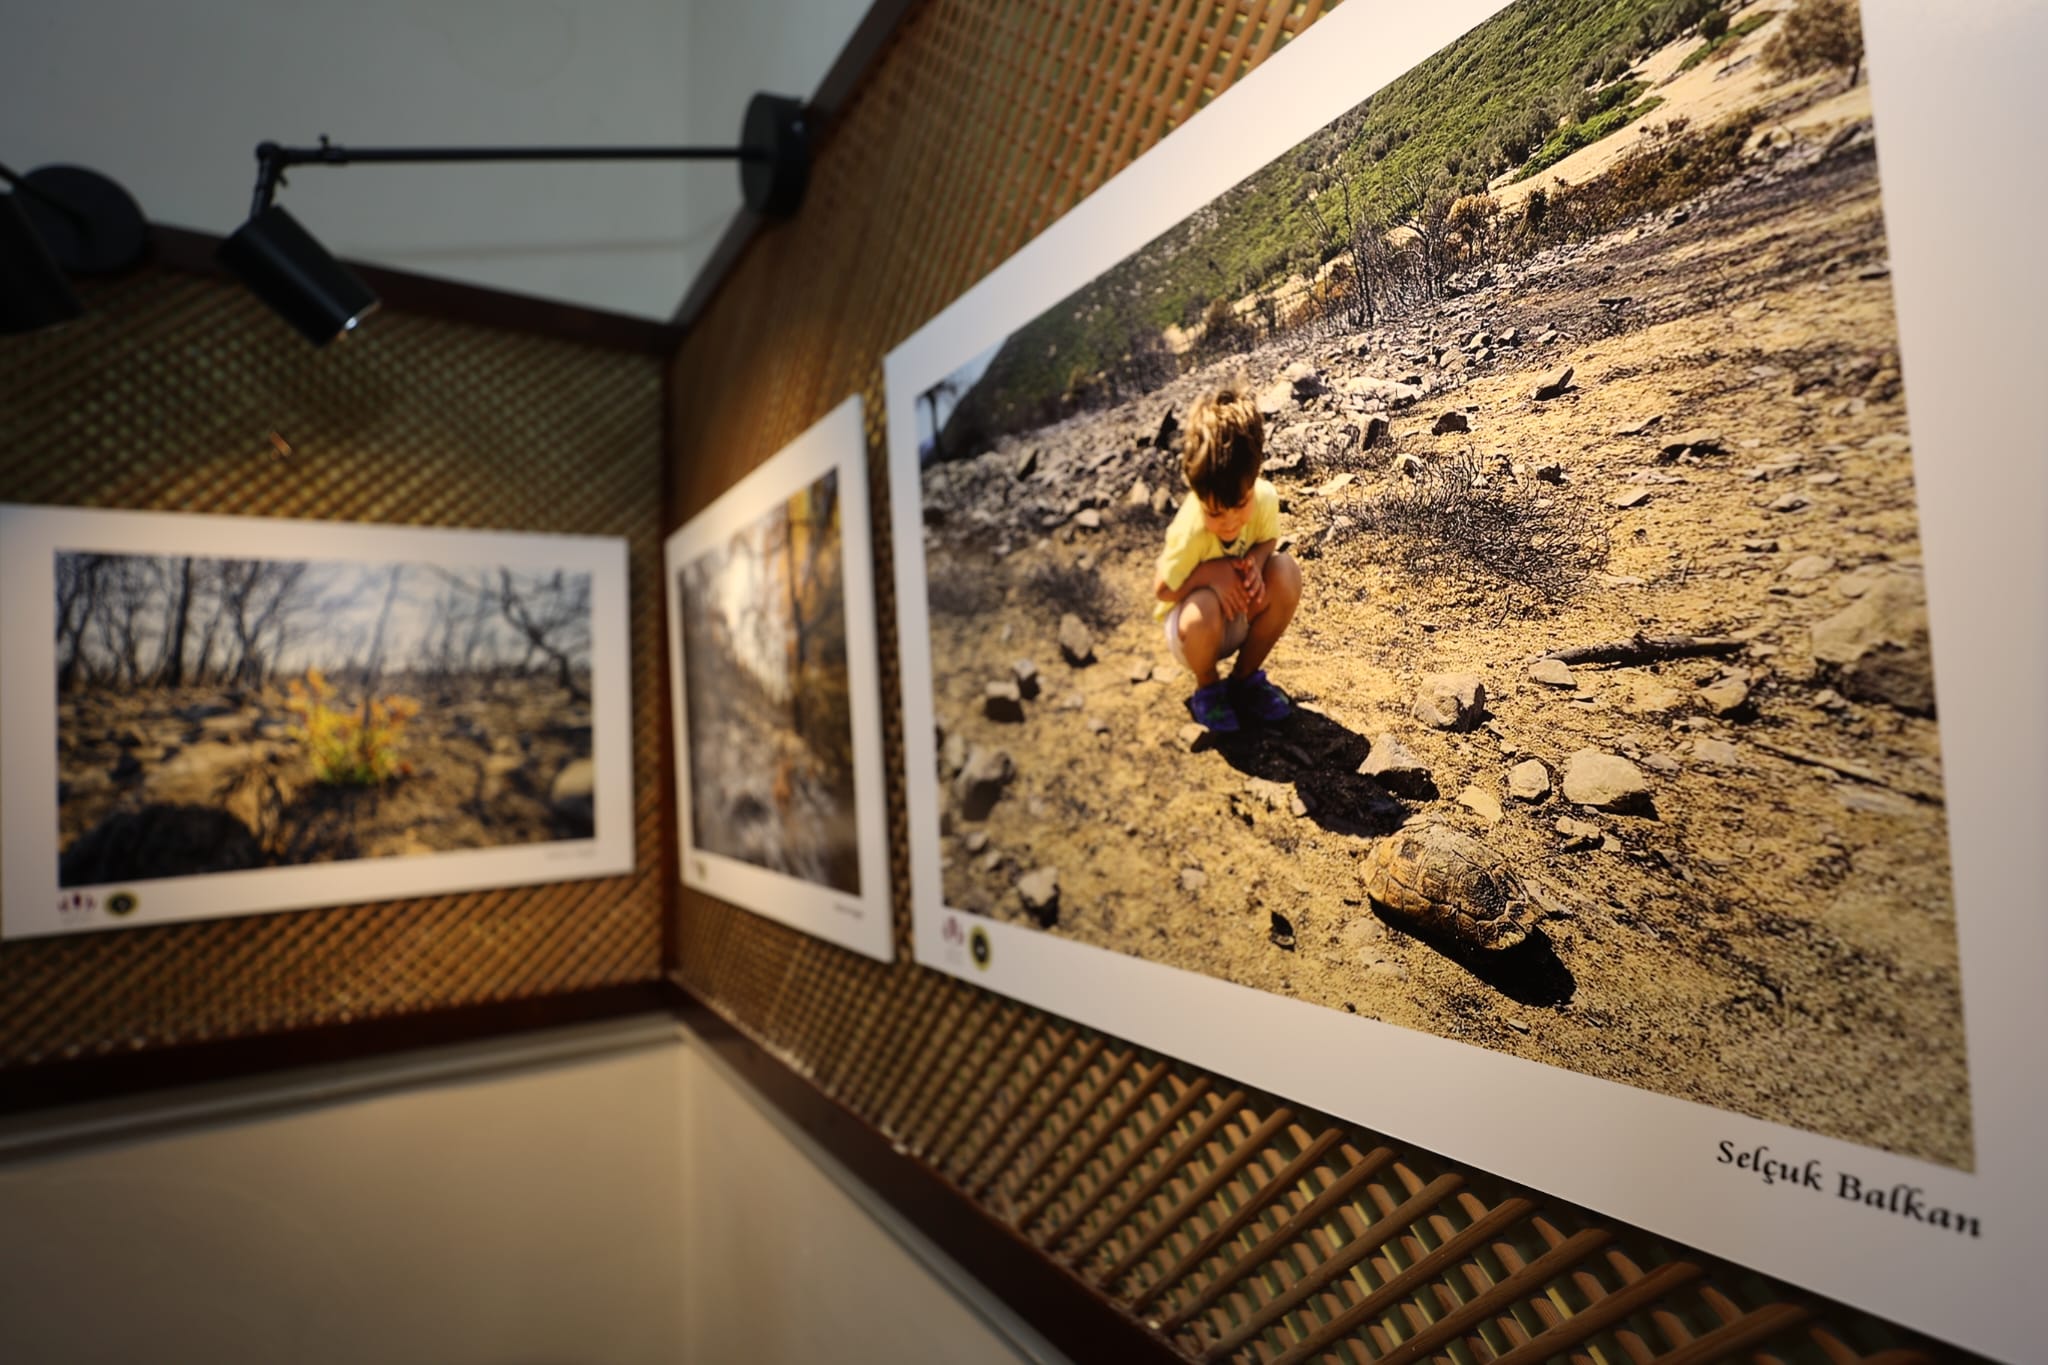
x,y
165,397
1242,1227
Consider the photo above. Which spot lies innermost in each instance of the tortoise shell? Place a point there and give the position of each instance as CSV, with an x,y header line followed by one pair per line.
x,y
1451,884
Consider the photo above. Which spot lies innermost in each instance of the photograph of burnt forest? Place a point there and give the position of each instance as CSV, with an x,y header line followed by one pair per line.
x,y
765,694
1616,742
216,715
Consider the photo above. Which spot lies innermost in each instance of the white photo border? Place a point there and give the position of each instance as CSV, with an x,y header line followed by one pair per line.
x,y
1964,320
861,923
30,539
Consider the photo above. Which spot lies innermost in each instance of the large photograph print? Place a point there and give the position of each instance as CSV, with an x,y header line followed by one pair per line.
x,y
777,724
238,715
1583,771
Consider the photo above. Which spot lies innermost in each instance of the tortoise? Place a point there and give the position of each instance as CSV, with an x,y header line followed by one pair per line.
x,y
1450,884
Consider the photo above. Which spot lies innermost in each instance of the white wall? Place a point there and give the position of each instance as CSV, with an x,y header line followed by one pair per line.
x,y
605,1195
171,101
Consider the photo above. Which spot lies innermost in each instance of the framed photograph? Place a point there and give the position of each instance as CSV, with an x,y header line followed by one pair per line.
x,y
205,716
777,722
1432,604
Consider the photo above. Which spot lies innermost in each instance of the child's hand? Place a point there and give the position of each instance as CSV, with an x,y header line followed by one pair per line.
x,y
1253,577
1225,580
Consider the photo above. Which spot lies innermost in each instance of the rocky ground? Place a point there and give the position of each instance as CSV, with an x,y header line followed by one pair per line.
x,y
758,791
171,783
1736,861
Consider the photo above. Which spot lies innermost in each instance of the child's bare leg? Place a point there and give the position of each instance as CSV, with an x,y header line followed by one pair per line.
x,y
1201,633
1283,595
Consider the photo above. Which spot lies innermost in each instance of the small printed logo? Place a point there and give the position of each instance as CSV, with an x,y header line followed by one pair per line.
x,y
122,903
77,903
978,946
953,935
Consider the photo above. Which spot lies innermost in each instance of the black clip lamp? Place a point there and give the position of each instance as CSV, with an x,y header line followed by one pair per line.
x,y
59,220
290,271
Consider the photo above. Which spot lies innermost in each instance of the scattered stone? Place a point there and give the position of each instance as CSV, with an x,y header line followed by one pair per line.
x,y
1788,502
1550,473
1139,496
1552,385
1725,697
1827,699
1481,803
1026,466
1088,519
1529,780
1450,701
1281,931
1550,334
1162,498
1579,834
1192,735
1605,781
1164,674
1025,671
1390,764
1193,879
1276,398
1336,485
573,794
1716,753
1664,765
1077,646
1511,336
1408,464
1140,671
1696,441
1096,725
1003,701
981,779
1039,889
1873,800
1809,567
976,841
1375,431
953,754
1552,673
125,767
1624,501
1760,547
1878,647
992,861
1823,479
1450,423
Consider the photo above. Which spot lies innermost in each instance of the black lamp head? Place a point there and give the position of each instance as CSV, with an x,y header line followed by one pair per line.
x,y
295,275
775,155
33,292
58,219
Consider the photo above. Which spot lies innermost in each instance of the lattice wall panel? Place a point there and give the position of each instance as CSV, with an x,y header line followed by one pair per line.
x,y
1242,1227
164,397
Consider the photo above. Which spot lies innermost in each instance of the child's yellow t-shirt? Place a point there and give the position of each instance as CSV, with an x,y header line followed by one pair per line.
x,y
1189,542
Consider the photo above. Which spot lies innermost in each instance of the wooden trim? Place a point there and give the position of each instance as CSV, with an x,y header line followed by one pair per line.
x,y
1073,1316
52,1084
192,252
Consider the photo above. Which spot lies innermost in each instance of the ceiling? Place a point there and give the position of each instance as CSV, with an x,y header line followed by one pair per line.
x,y
171,100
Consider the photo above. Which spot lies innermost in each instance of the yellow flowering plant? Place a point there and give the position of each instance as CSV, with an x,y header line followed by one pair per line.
x,y
352,747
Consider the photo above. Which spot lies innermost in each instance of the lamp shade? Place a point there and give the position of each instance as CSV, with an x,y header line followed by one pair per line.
x,y
295,275
33,291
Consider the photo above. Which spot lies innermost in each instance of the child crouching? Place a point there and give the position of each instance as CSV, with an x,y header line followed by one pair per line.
x,y
1223,588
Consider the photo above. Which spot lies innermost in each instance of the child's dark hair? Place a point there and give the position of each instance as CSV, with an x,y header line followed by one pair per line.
x,y
1224,446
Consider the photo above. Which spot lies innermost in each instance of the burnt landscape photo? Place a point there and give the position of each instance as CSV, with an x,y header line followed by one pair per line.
x,y
219,714
767,696
1615,745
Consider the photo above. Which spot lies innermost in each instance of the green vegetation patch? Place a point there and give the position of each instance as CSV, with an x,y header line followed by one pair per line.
x,y
1735,34
1586,132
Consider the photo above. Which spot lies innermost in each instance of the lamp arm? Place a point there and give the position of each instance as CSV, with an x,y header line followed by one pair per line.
x,y
272,160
